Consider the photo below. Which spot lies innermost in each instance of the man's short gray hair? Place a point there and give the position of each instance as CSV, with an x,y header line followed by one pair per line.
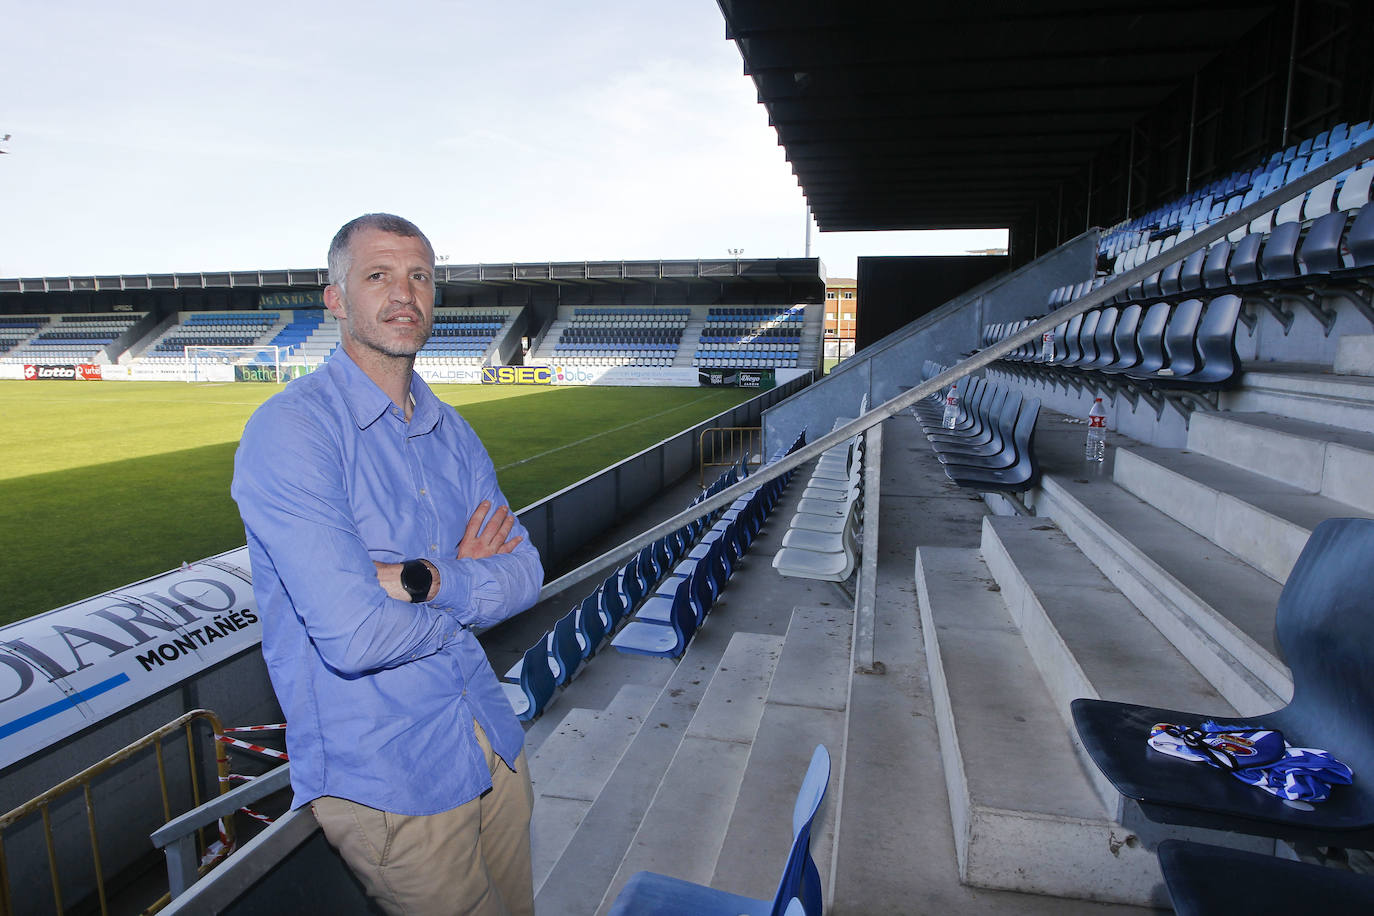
x,y
341,254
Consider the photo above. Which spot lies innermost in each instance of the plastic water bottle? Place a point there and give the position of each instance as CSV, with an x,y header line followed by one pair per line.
x,y
1096,447
1047,347
951,407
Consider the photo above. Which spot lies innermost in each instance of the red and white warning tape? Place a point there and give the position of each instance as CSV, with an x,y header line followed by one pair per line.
x,y
255,748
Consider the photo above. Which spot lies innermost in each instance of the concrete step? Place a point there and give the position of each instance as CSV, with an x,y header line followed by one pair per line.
x,y
1215,609
1333,461
1346,401
572,766
682,830
807,705
1260,520
578,880
1085,637
1026,817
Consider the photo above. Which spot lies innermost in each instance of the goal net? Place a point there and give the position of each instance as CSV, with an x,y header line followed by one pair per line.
x,y
262,363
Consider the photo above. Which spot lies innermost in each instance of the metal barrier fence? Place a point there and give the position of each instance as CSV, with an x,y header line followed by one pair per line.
x,y
720,447
83,781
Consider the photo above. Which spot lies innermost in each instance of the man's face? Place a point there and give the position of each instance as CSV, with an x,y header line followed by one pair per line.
x,y
387,304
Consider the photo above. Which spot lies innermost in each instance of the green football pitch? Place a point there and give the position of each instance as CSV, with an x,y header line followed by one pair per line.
x,y
102,485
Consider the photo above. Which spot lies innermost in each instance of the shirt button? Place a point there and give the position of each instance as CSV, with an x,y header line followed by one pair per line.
x,y
433,546
422,491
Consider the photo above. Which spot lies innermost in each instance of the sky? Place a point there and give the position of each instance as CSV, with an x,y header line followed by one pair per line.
x,y
151,137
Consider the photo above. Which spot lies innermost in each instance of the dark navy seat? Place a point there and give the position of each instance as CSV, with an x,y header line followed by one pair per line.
x,y
1214,270
1244,266
1102,340
998,451
591,626
1326,634
1021,475
565,649
1180,337
1150,341
642,637
1214,343
1123,340
1207,880
532,692
651,894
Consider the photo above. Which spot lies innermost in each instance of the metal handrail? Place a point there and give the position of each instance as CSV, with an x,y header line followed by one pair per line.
x,y
726,440
982,358
83,781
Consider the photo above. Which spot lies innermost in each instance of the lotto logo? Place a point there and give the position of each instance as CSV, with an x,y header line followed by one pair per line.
x,y
30,372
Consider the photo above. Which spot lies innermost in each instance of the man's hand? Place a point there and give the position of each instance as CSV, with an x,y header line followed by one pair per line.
x,y
482,541
479,541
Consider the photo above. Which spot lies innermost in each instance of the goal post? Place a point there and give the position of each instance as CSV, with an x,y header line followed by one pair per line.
x,y
261,363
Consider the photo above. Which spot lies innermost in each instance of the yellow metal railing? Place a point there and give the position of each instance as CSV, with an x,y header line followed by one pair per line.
x,y
722,446
83,781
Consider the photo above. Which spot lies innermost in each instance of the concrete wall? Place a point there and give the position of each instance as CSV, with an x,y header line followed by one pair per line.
x,y
894,363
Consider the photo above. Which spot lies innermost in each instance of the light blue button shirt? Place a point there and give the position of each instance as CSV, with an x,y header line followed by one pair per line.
x,y
379,695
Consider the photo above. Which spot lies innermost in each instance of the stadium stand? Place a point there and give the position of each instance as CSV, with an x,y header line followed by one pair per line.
x,y
620,337
464,337
669,336
63,339
750,337
203,329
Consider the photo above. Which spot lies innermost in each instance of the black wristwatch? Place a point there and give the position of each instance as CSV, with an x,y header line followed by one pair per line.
x,y
416,579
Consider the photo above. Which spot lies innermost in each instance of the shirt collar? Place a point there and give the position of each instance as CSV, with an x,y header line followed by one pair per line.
x,y
367,403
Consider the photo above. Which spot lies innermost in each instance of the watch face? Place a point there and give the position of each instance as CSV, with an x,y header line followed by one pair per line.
x,y
416,579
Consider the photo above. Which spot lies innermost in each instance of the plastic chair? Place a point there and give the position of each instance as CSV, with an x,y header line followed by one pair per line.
x,y
1150,341
1206,880
799,889
1123,340
1326,635
631,584
1022,475
564,648
1102,340
1216,346
642,637
611,602
531,693
591,628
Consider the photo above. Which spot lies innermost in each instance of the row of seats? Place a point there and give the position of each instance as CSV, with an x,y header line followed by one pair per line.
x,y
992,443
577,636
1326,636
744,359
1183,345
756,315
666,621
263,320
1126,242
750,337
823,538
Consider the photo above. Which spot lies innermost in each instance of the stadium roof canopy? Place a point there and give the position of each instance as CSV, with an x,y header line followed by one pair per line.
x,y
460,276
912,114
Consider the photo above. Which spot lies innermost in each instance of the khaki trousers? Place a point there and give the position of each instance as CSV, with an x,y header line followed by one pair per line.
x,y
473,859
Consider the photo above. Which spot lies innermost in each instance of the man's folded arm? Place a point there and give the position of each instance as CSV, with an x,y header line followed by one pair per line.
x,y
487,591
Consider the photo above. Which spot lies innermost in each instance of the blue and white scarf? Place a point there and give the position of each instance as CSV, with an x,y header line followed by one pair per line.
x,y
1259,757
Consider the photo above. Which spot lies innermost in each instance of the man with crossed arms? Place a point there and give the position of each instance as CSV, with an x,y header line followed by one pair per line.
x,y
354,484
